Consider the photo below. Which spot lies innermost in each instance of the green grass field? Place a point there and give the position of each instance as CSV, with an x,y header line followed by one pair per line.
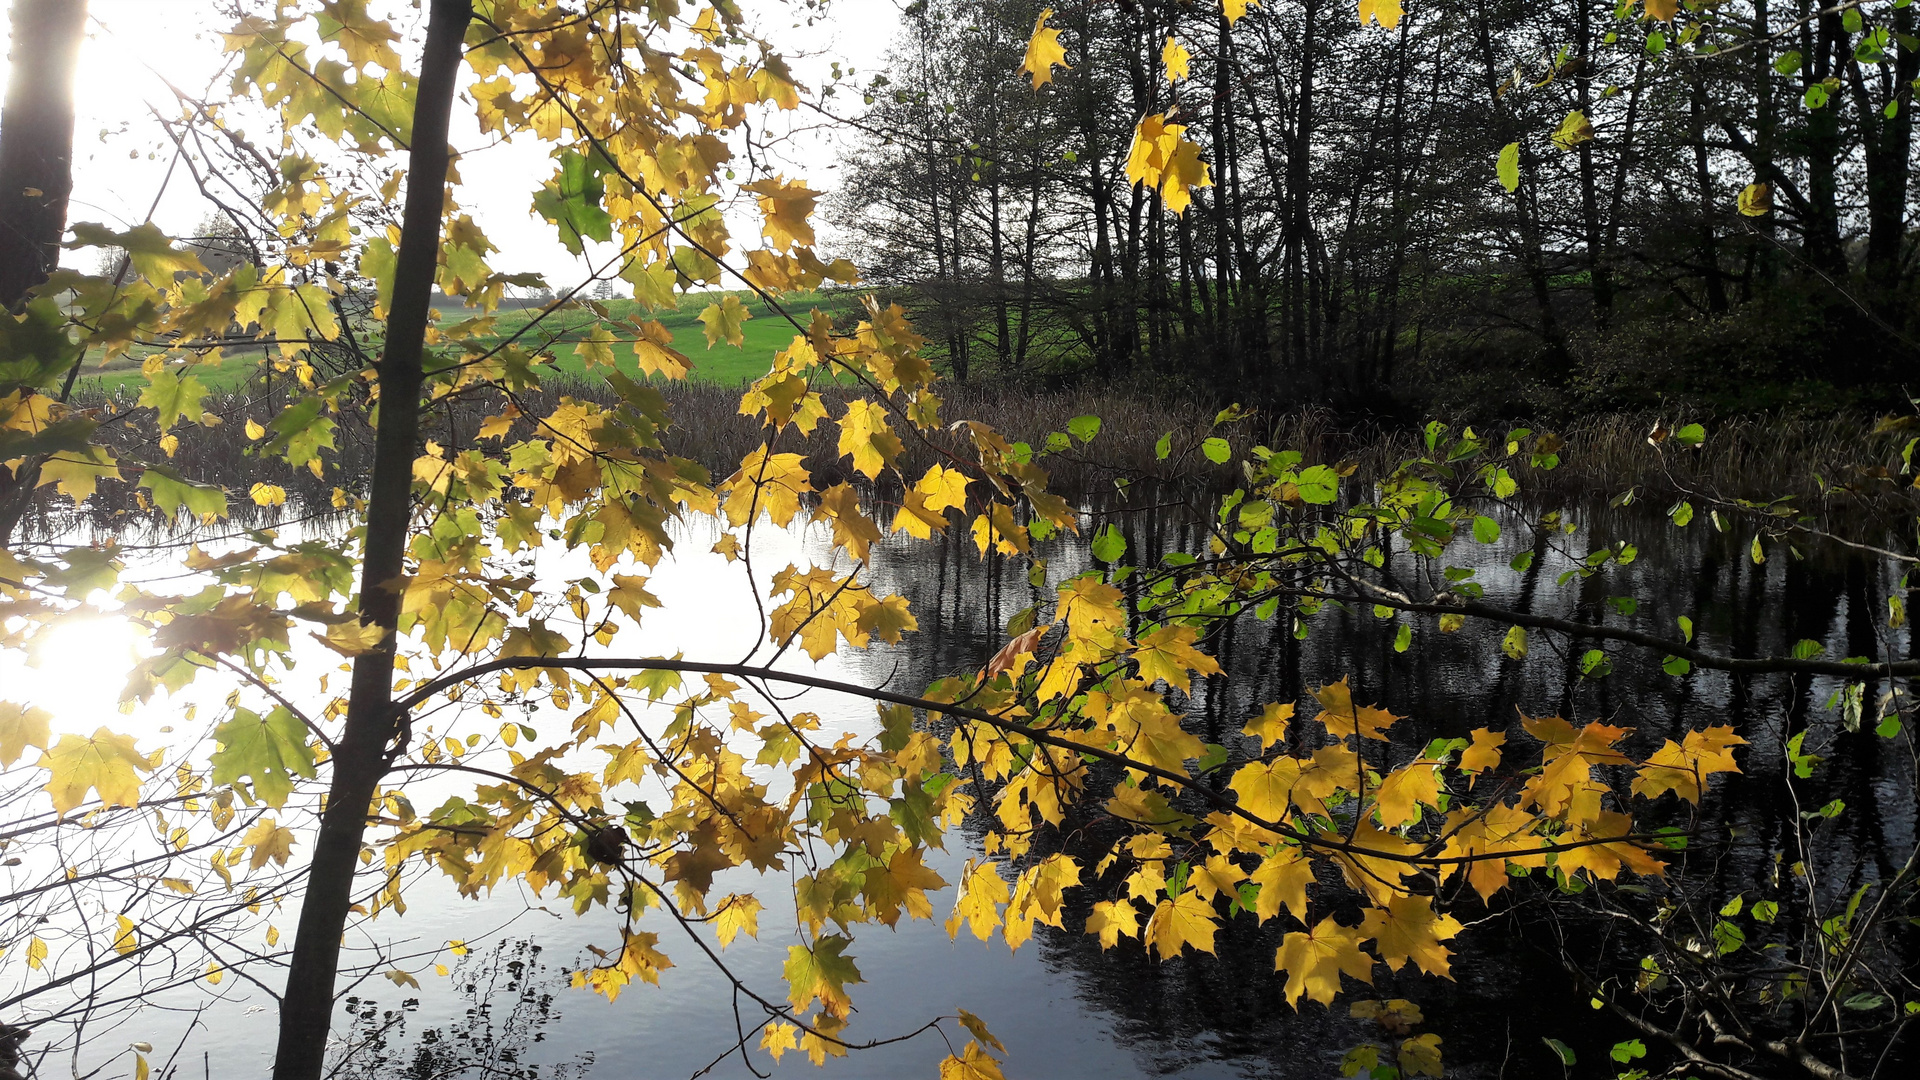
x,y
765,334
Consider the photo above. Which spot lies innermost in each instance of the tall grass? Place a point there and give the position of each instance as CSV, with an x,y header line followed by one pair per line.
x,y
1826,464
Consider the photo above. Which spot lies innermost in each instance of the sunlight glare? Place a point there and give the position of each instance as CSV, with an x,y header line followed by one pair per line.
x,y
76,669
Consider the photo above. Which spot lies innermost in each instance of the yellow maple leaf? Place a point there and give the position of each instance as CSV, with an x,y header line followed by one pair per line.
x,y
776,1039
1092,612
1161,157
630,595
1152,734
1563,787
1343,718
1044,51
78,472
943,489
1314,961
22,726
653,349
852,530
1604,861
769,484
1283,877
1113,920
867,438
1420,1055
1218,876
1408,928
899,884
1500,828
1484,753
1397,1015
1332,769
1168,653
125,939
351,638
637,959
1266,788
1179,922
269,840
1573,130
972,1064
1176,59
1683,767
1271,725
978,1029
709,29
1385,12
1404,789
102,762
786,207
1662,10
736,914
1378,861
982,890
998,530
1235,10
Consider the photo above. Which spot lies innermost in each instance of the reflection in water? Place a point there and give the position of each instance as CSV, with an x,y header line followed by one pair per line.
x,y
1511,989
1068,1009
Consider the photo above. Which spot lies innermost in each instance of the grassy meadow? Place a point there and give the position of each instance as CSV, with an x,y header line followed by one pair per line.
x,y
765,333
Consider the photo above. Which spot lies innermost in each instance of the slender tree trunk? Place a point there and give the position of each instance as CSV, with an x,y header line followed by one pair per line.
x,y
962,333
1765,122
1226,344
997,257
1526,212
1029,266
1599,273
1821,38
945,300
360,759
1716,290
36,142
1889,157
1299,206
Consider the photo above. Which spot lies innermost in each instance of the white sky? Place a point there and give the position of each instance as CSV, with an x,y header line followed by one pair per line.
x,y
135,47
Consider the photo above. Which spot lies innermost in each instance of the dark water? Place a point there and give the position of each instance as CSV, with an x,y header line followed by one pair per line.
x,y
1226,1014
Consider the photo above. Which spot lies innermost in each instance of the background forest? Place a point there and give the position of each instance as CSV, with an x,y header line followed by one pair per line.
x,y
1356,247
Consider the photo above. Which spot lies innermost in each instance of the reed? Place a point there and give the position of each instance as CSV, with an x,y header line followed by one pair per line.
x,y
1831,465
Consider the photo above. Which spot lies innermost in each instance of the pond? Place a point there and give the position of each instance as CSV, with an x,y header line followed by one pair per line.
x,y
1062,1006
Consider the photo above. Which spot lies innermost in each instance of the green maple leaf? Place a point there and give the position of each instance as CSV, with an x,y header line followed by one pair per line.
x,y
153,255
35,347
572,202
726,322
269,749
300,432
174,397
821,972
171,491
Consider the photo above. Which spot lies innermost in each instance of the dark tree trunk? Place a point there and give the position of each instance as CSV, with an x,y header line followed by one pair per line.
x,y
1889,157
361,759
36,142
1716,292
1821,38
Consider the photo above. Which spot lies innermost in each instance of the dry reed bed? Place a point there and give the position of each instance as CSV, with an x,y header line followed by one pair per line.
x,y
1603,455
